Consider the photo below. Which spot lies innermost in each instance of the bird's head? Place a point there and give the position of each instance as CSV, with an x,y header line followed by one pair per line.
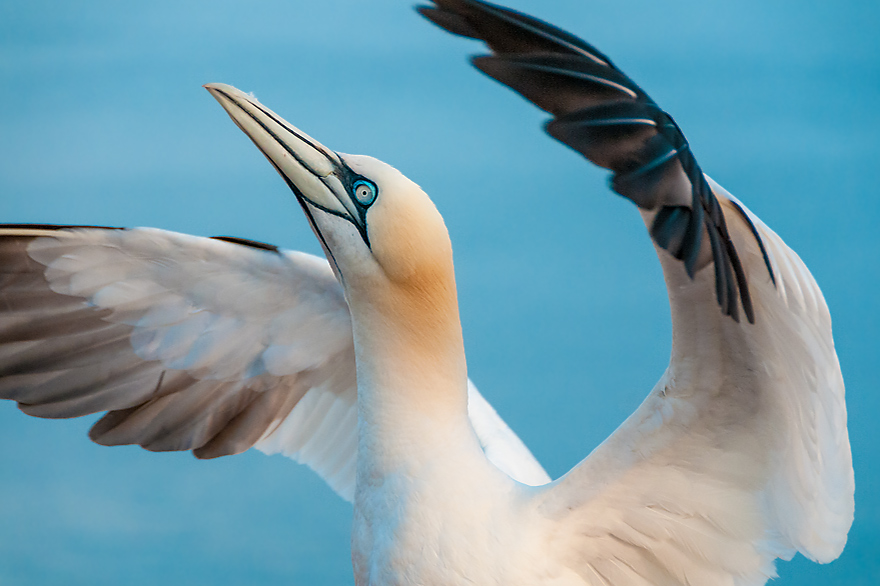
x,y
377,228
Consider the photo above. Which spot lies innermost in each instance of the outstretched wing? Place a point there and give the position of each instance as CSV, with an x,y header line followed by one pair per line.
x,y
604,115
740,454
189,343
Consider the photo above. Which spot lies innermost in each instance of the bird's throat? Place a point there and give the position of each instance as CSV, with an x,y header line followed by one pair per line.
x,y
411,369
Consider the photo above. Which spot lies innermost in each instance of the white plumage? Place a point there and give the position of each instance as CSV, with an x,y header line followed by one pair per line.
x,y
738,456
237,320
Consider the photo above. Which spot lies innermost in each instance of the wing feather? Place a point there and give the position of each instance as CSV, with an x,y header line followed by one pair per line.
x,y
740,454
187,343
167,333
610,120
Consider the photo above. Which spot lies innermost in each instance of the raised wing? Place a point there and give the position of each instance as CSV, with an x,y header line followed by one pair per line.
x,y
604,115
739,455
189,343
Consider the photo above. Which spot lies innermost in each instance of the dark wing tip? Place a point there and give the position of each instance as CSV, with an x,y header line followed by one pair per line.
x,y
506,30
604,115
56,227
23,229
248,243
757,236
448,21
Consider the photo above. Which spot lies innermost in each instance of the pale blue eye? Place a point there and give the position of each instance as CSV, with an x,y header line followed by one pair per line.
x,y
364,192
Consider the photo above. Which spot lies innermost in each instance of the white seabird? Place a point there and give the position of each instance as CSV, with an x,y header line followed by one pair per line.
x,y
738,456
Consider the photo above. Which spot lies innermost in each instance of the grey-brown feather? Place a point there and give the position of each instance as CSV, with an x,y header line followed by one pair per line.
x,y
60,358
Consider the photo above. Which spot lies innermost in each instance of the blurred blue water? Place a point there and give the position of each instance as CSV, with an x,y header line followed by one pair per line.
x,y
103,121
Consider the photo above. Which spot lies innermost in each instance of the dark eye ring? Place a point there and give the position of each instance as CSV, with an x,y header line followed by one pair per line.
x,y
364,191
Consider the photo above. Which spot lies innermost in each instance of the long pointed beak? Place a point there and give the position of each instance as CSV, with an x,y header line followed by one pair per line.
x,y
313,172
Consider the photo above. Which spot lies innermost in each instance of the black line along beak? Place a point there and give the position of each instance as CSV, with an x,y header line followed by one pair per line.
x,y
316,175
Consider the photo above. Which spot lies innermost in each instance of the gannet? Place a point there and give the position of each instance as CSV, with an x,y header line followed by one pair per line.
x,y
739,455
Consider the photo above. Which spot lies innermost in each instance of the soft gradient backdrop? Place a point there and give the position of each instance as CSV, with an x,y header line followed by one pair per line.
x,y
103,121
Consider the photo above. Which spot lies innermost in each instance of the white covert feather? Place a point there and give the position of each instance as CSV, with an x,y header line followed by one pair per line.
x,y
252,318
738,456
740,453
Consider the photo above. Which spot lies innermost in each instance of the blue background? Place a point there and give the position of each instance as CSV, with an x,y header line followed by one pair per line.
x,y
103,121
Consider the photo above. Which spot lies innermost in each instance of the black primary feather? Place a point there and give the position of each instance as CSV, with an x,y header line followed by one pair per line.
x,y
604,115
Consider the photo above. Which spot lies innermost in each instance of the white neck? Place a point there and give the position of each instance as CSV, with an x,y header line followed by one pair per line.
x,y
412,374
